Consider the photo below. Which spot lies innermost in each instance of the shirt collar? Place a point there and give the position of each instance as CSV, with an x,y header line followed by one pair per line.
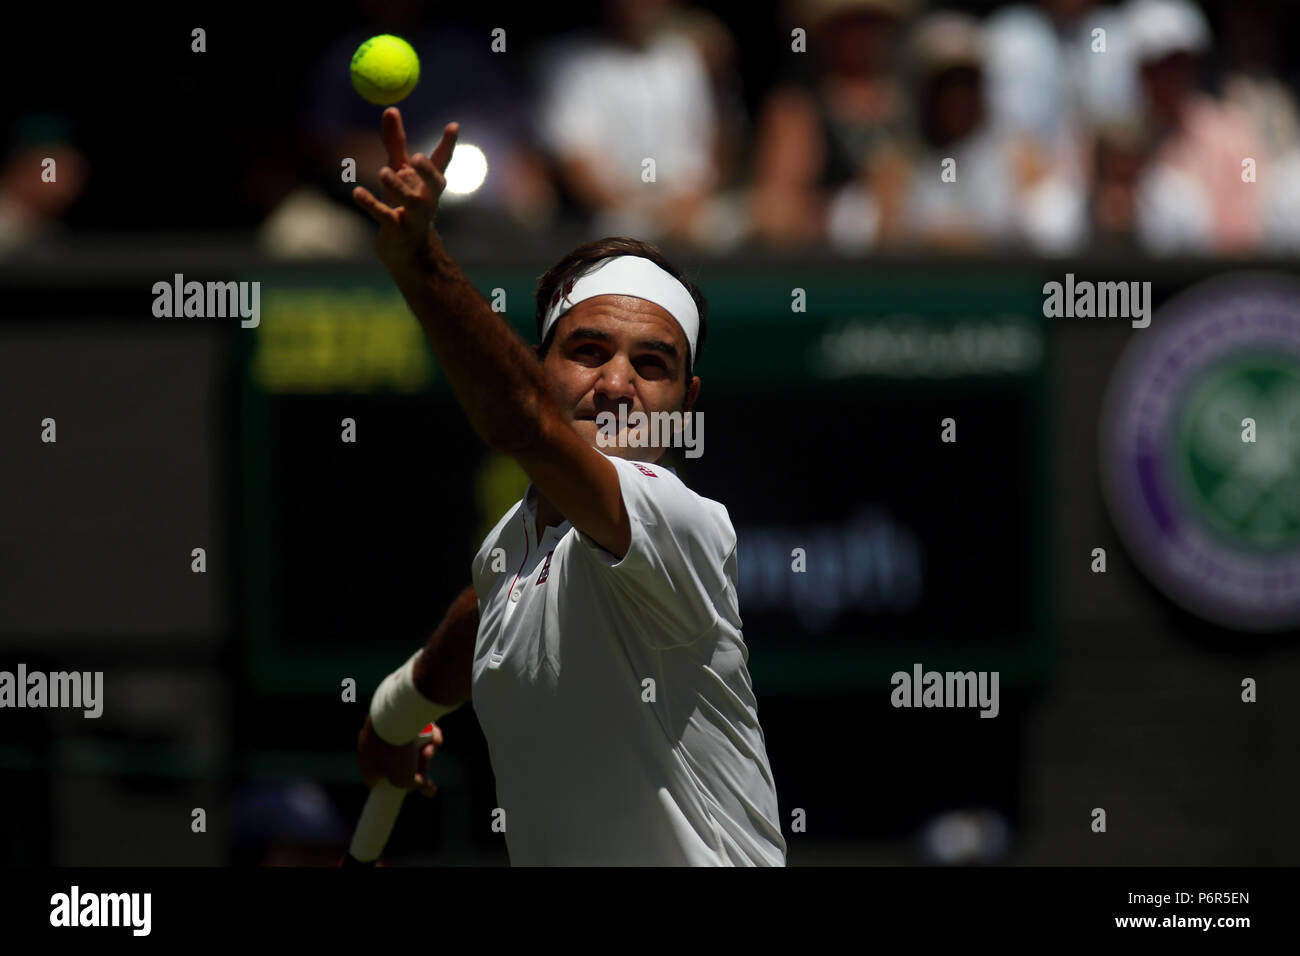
x,y
530,519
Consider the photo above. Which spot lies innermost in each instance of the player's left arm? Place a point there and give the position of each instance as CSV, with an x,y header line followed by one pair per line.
x,y
494,374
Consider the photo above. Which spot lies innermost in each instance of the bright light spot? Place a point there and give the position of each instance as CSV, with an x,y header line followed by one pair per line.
x,y
467,169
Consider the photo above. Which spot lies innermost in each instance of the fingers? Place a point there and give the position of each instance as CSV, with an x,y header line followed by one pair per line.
x,y
422,781
442,152
426,754
428,172
404,187
392,188
377,211
394,137
425,785
402,767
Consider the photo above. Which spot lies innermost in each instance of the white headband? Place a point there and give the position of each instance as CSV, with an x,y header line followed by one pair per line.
x,y
628,275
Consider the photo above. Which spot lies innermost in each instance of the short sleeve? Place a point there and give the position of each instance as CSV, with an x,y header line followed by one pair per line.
x,y
476,572
675,567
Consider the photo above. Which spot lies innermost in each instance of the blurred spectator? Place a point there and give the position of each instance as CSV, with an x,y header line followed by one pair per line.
x,y
1119,154
291,823
460,79
1055,71
31,203
303,220
827,157
1051,74
1252,35
1000,195
946,67
717,50
636,91
1190,197
723,221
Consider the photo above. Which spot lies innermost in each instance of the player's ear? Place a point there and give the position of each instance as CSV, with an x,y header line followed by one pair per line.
x,y
692,394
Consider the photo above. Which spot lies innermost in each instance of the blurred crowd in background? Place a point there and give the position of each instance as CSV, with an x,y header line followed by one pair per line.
x,y
1055,127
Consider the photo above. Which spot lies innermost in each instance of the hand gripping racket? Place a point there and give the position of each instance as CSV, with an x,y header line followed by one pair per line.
x,y
378,818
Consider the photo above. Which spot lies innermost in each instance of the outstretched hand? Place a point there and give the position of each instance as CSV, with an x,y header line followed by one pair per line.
x,y
412,185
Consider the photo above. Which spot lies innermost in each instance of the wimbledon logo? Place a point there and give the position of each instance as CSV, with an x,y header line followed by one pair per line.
x,y
1200,451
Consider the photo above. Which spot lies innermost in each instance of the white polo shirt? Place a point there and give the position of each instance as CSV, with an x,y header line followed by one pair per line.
x,y
589,769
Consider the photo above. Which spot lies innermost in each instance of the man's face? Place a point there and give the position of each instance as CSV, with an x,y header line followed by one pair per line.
x,y
618,350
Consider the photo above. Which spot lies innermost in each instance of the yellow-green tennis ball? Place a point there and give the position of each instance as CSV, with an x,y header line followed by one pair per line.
x,y
385,69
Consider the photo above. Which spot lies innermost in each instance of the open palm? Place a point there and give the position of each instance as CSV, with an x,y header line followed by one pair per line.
x,y
412,185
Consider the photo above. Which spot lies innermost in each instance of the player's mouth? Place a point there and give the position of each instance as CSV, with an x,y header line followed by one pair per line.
x,y
595,415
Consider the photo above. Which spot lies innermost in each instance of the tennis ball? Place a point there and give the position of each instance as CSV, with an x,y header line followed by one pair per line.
x,y
385,69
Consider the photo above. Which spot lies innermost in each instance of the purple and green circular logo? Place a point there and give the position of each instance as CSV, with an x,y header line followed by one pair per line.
x,y
1200,451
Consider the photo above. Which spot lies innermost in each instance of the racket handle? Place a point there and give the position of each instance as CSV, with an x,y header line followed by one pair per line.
x,y
377,821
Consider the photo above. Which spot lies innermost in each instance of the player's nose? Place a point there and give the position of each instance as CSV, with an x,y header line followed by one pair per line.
x,y
616,379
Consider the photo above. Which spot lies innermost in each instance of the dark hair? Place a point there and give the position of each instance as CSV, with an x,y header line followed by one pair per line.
x,y
581,258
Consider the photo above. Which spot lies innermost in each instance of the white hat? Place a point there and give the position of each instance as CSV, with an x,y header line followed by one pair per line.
x,y
1158,28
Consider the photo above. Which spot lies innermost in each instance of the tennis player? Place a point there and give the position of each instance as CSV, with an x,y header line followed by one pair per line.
x,y
601,639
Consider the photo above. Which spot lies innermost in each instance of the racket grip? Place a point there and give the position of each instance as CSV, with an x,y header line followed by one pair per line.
x,y
377,820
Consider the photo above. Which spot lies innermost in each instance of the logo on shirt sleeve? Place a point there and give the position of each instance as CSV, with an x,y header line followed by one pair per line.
x,y
645,471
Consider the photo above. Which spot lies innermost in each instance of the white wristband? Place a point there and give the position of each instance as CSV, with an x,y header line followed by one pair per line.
x,y
398,712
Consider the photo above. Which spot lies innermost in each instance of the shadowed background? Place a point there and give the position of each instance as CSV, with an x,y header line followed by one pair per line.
x,y
329,560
